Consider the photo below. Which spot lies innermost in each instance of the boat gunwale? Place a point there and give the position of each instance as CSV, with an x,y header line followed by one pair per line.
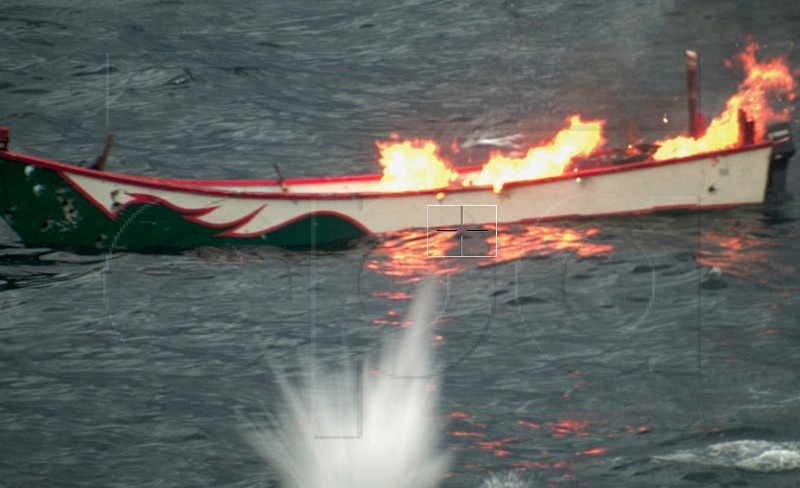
x,y
216,187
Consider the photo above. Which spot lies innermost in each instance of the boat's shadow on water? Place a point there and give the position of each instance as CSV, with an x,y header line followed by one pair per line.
x,y
22,267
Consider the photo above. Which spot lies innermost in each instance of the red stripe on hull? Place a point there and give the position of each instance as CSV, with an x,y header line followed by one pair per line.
x,y
199,186
286,223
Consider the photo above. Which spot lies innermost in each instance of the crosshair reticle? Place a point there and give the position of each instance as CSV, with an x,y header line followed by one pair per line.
x,y
462,221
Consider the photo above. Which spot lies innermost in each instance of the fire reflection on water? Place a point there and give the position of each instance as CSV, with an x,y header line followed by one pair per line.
x,y
739,253
596,435
581,436
544,240
407,255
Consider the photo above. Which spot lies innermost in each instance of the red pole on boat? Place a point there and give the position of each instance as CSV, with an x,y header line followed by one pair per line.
x,y
695,124
747,129
4,135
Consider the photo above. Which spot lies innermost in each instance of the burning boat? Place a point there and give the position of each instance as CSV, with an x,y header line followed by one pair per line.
x,y
737,159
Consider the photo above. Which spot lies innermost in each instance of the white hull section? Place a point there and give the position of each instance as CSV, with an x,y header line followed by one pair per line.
x,y
720,180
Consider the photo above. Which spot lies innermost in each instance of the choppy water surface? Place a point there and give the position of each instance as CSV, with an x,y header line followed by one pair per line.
x,y
638,351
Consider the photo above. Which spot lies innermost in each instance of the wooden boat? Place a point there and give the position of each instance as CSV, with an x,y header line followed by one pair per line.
x,y
61,205
55,204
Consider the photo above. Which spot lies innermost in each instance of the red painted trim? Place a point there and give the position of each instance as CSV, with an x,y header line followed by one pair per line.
x,y
136,198
200,186
194,215
65,176
191,214
145,198
235,224
620,168
168,182
354,222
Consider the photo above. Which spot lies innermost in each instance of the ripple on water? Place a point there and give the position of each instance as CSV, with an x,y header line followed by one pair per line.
x,y
751,455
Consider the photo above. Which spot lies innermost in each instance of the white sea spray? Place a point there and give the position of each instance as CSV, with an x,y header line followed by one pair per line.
x,y
751,455
378,427
506,480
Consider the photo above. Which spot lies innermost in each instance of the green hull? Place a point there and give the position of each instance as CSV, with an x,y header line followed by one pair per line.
x,y
44,209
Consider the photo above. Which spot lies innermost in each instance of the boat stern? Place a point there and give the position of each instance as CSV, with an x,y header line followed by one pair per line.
x,y
4,201
782,151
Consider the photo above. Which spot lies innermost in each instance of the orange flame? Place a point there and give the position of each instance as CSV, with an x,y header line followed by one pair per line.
x,y
581,138
770,77
418,164
413,165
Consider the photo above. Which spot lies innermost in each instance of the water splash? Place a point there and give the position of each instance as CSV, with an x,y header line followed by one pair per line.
x,y
364,429
751,455
508,480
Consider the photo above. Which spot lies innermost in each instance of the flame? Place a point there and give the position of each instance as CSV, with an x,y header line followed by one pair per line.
x,y
418,165
581,138
413,165
762,80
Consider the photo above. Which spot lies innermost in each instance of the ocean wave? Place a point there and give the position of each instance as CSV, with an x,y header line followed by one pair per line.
x,y
750,455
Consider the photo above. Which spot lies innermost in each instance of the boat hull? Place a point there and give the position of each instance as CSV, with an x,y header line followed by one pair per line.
x,y
54,204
